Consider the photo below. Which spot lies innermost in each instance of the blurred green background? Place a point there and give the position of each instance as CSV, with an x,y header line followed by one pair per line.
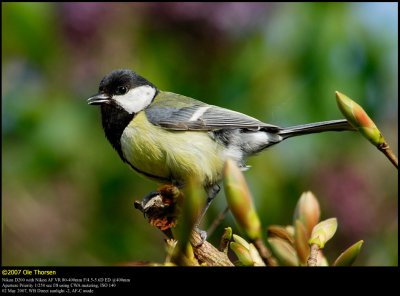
x,y
67,199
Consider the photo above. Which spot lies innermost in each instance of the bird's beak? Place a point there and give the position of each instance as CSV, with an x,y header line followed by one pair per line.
x,y
98,99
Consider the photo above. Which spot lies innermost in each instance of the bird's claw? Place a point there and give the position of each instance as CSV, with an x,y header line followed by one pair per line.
x,y
203,236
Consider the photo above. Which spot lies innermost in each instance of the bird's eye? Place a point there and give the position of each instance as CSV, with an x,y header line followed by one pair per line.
x,y
121,90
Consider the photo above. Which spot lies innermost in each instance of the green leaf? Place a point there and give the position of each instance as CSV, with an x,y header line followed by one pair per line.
x,y
348,257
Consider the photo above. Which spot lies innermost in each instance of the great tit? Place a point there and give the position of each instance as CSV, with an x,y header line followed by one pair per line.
x,y
170,138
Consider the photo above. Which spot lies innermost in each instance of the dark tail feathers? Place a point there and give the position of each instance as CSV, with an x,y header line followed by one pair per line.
x,y
318,127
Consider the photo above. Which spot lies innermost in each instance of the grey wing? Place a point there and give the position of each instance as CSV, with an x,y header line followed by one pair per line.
x,y
203,117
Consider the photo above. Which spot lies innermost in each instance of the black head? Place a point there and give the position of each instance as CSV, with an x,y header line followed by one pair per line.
x,y
119,82
122,94
126,89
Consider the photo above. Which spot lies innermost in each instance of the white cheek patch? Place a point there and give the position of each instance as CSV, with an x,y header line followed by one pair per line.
x,y
136,99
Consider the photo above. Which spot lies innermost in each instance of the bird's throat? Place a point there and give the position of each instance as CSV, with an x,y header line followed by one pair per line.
x,y
114,120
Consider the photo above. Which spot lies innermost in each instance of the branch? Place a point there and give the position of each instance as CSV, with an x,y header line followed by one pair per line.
x,y
161,210
207,253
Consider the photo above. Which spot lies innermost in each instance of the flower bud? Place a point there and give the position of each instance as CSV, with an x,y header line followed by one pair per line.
x,y
359,119
290,230
307,211
300,242
255,256
323,232
281,232
190,211
243,255
246,253
225,239
240,202
283,251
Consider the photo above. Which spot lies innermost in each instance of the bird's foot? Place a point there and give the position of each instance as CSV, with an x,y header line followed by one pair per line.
x,y
203,235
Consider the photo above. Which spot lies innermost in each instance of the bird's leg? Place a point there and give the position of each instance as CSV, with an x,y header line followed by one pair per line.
x,y
212,192
176,183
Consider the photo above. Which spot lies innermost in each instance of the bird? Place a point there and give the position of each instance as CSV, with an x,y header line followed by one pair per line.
x,y
170,138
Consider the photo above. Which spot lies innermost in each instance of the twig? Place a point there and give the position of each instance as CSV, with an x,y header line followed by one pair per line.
x,y
312,260
217,221
160,211
207,253
385,149
264,252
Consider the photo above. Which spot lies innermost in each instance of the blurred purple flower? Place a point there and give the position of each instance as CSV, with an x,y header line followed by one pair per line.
x,y
81,25
100,34
351,199
81,21
231,17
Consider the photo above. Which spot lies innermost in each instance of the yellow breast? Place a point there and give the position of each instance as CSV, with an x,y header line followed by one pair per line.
x,y
169,154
